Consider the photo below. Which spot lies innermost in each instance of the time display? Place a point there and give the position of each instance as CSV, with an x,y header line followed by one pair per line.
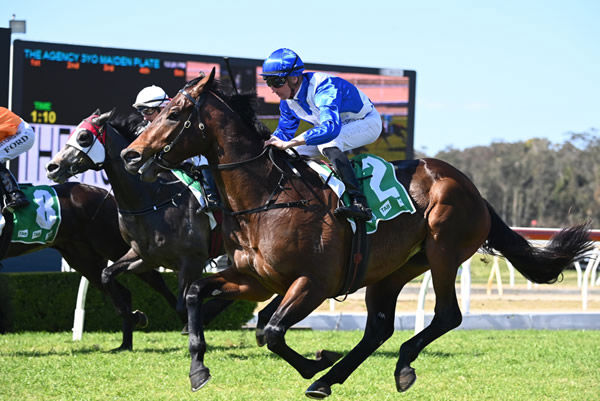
x,y
43,117
63,84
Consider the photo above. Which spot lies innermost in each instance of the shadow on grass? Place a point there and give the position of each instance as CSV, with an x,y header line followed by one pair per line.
x,y
87,350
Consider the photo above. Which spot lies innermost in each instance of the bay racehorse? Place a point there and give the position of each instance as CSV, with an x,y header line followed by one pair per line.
x,y
282,235
88,237
161,221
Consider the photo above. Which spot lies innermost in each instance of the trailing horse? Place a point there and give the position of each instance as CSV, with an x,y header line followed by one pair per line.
x,y
282,235
87,238
162,223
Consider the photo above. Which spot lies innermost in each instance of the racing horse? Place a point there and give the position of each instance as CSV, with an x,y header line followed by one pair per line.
x,y
282,236
162,222
87,238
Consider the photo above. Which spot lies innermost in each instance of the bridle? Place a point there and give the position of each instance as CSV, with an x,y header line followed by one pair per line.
x,y
159,156
159,160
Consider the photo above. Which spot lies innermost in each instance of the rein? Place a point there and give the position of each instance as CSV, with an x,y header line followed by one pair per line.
x,y
153,208
270,203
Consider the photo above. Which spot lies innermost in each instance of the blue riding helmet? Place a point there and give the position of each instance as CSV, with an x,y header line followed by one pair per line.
x,y
282,63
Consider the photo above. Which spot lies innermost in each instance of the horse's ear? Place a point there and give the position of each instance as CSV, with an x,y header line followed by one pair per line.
x,y
102,118
97,112
206,81
211,77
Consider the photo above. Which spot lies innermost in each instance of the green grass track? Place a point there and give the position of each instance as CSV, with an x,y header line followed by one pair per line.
x,y
462,365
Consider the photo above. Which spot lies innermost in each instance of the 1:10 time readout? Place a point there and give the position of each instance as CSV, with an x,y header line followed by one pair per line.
x,y
43,117
43,113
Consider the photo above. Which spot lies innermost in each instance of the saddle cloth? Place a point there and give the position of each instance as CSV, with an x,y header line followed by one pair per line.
x,y
387,198
38,222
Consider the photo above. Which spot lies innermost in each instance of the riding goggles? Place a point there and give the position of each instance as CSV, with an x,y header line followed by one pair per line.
x,y
148,111
275,81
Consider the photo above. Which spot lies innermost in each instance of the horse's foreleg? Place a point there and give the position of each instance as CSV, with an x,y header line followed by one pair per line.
x,y
381,305
121,297
298,302
446,317
225,285
264,315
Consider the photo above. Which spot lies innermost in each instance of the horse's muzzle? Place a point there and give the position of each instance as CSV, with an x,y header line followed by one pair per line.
x,y
54,173
132,159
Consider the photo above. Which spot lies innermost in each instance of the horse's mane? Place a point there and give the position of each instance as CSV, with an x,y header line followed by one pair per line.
x,y
126,124
245,104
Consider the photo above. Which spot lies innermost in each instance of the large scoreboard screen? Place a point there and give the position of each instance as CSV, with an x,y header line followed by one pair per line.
x,y
55,86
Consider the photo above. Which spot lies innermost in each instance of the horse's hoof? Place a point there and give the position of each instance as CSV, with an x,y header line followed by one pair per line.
x,y
122,348
405,379
328,356
199,378
318,390
260,337
141,319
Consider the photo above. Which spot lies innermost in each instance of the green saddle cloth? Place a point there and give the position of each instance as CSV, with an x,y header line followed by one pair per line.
x,y
38,222
386,196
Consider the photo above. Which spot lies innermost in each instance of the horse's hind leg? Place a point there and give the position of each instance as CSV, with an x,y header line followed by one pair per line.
x,y
444,259
381,305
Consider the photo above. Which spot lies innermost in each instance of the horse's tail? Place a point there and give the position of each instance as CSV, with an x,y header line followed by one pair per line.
x,y
540,265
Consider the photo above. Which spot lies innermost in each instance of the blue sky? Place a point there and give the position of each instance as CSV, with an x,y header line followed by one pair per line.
x,y
486,70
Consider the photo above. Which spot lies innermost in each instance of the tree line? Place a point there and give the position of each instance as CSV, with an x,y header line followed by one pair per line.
x,y
536,182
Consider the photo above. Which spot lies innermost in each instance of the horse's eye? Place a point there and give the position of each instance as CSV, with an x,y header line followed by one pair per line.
x,y
85,139
174,116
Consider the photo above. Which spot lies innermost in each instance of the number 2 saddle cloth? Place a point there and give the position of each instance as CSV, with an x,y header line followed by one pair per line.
x,y
38,222
387,198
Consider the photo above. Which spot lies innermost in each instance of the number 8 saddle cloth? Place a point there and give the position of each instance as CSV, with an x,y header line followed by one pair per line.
x,y
38,222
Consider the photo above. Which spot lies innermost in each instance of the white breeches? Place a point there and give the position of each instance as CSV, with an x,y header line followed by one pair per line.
x,y
353,134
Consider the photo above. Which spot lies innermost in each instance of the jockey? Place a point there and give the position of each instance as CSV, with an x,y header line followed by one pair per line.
x,y
16,137
149,103
342,116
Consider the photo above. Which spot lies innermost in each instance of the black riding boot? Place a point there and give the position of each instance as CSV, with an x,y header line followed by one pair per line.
x,y
358,209
14,198
210,189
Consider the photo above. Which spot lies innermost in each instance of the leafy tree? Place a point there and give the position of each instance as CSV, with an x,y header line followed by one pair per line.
x,y
536,181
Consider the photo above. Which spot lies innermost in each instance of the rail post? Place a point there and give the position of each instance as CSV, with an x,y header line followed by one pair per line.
x,y
80,309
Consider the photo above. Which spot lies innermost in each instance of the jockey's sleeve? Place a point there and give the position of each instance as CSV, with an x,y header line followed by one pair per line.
x,y
328,100
288,123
